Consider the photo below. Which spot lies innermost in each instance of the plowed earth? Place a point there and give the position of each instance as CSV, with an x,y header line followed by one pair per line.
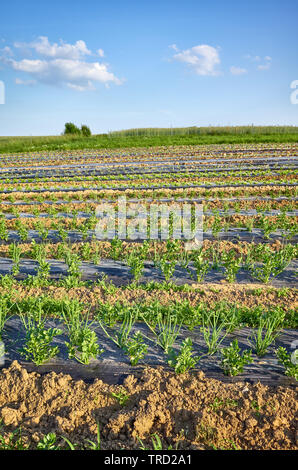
x,y
188,411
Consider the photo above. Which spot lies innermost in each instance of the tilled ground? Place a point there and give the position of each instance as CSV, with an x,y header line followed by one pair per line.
x,y
189,410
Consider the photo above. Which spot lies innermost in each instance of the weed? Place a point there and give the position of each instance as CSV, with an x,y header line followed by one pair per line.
x,y
122,396
15,441
95,445
156,443
48,442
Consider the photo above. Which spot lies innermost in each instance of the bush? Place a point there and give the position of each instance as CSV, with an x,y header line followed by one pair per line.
x,y
85,130
71,128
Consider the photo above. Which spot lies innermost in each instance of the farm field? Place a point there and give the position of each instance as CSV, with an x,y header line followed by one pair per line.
x,y
147,340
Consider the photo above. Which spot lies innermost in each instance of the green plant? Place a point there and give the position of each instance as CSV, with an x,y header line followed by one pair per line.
x,y
266,333
121,336
85,130
216,225
135,348
95,445
267,226
231,264
15,441
62,234
22,230
48,442
272,264
82,344
4,309
201,265
37,342
136,264
73,272
3,230
15,253
218,403
122,396
183,361
116,248
71,128
212,327
167,330
156,443
290,362
233,361
167,267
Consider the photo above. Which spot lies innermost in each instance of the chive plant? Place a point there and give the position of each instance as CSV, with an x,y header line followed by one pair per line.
x,y
266,333
213,329
165,330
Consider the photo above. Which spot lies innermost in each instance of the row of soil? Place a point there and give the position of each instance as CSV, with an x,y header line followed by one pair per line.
x,y
130,172
168,180
61,160
127,167
247,297
169,186
273,191
188,411
245,203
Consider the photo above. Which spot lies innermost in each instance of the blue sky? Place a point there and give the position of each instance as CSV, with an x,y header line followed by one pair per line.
x,y
117,65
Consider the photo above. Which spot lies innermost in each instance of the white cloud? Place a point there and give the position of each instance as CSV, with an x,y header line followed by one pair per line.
x,y
19,81
266,61
61,65
6,51
237,70
174,47
203,59
75,74
264,66
43,47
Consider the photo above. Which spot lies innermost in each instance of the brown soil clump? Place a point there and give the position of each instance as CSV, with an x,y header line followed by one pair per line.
x,y
189,410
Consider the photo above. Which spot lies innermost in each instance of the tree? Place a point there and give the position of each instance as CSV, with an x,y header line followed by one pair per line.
x,y
85,130
71,128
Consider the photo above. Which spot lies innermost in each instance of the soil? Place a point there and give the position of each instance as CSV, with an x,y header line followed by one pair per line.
x,y
189,410
245,295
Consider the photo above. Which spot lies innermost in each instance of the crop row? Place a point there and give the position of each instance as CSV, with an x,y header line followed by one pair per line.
x,y
163,326
73,207
148,180
148,153
54,195
259,261
216,223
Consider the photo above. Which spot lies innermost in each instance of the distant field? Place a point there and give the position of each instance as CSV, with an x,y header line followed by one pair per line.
x,y
154,137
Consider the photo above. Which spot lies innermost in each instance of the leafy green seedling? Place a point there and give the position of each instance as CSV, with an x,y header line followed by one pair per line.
x,y
233,361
